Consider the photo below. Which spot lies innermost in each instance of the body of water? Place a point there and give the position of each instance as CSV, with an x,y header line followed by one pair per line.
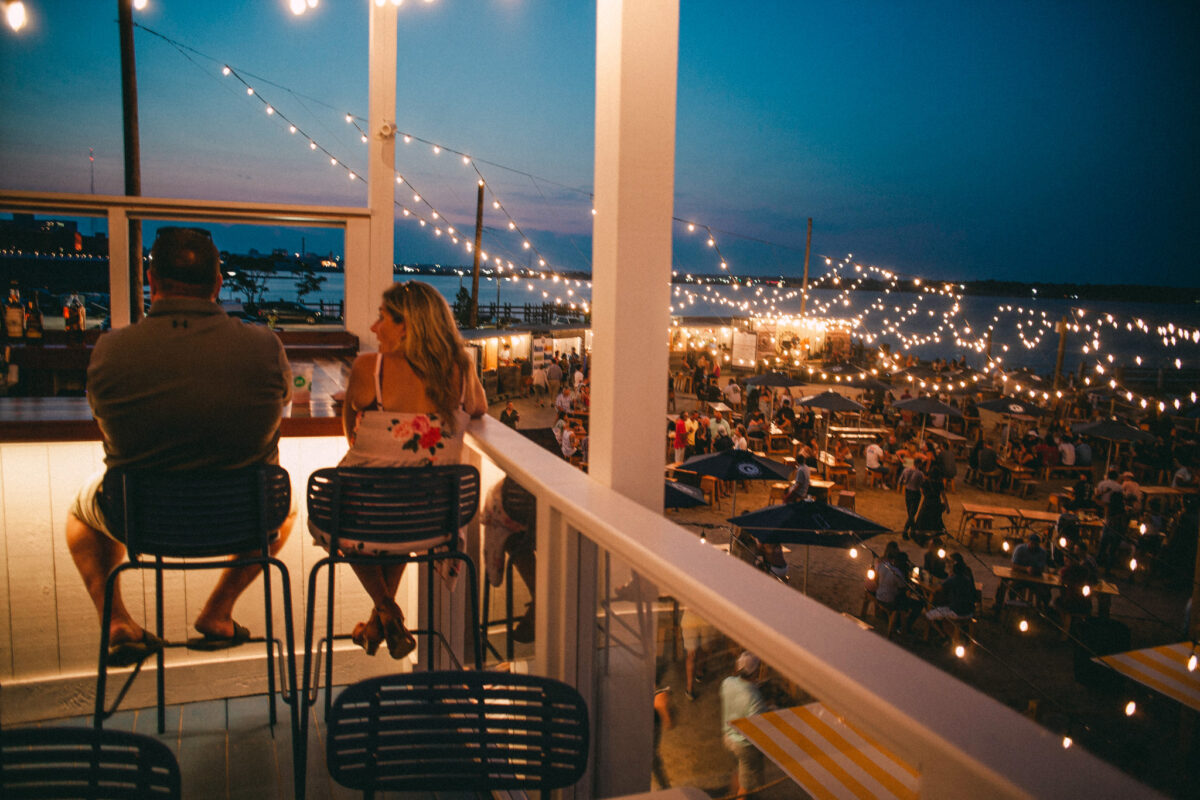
x,y
1024,333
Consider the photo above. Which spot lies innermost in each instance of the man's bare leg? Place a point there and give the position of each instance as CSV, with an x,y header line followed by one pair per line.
x,y
216,618
96,556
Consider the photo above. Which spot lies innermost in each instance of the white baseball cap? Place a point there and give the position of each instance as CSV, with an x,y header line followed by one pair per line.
x,y
747,663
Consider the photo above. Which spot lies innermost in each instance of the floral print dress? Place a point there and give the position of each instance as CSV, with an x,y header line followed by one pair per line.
x,y
397,439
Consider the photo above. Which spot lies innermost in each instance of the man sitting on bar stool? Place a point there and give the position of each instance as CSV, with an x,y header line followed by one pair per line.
x,y
188,387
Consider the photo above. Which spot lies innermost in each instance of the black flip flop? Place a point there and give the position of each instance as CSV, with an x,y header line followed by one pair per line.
x,y
126,654
210,642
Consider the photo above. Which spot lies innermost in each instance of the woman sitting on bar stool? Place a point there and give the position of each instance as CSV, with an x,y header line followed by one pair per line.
x,y
405,406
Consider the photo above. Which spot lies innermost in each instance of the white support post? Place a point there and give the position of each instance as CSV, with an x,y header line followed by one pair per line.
x,y
636,63
118,267
366,281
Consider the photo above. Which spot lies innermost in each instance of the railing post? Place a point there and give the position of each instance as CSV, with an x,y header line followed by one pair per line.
x,y
119,304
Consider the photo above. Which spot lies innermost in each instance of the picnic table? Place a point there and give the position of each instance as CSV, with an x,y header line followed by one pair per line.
x,y
1027,518
1009,575
972,510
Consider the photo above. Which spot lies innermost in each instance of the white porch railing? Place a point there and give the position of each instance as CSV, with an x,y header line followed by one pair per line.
x,y
963,742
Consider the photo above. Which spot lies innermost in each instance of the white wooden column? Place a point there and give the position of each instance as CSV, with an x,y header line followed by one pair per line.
x,y
366,279
636,63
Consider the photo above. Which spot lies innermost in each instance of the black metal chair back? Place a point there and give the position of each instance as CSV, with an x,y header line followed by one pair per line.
x,y
407,509
458,731
197,514
203,517
86,763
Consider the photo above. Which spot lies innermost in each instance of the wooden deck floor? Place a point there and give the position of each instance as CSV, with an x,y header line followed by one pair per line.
x,y
226,749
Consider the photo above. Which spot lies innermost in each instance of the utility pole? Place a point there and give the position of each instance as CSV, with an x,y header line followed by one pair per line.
x,y
133,153
474,319
804,285
1061,327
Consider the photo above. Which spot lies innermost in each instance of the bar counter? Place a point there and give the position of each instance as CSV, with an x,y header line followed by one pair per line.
x,y
49,635
69,419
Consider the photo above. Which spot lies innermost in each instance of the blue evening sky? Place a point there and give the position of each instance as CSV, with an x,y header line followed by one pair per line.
x,y
1014,140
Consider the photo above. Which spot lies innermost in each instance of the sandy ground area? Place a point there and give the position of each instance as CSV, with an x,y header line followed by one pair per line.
x,y
1032,672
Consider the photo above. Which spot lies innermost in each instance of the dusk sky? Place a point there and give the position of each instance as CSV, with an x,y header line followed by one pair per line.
x,y
1016,140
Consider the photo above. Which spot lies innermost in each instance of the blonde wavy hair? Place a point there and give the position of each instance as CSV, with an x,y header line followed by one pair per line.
x,y
432,344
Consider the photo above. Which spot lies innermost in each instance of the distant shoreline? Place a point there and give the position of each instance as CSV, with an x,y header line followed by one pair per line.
x,y
24,268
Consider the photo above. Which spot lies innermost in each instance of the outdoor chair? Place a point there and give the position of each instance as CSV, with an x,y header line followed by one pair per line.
x,y
85,762
198,519
457,731
421,508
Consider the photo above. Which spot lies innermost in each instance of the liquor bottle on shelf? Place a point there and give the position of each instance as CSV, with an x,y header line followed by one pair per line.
x,y
34,328
74,318
14,314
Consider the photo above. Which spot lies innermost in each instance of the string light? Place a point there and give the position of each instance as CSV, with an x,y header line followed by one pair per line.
x,y
1030,325
15,15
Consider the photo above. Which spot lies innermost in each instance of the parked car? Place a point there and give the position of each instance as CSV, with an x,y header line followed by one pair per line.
x,y
284,311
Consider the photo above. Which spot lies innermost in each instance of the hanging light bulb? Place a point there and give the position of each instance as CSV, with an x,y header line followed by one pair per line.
x,y
960,651
854,552
1192,663
1067,742
1023,626
1130,708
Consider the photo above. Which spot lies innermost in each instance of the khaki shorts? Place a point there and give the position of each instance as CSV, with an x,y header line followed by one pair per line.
x,y
87,505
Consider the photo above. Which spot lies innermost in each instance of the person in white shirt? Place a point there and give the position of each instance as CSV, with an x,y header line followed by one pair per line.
x,y
563,402
1182,476
1066,449
874,457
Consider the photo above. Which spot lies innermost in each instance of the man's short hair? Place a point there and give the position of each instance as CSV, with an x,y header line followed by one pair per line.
x,y
185,261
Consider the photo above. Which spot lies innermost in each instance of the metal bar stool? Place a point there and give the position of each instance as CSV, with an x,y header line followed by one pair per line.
x,y
198,518
405,509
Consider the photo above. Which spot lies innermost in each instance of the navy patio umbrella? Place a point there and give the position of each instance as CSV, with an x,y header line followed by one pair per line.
x,y
737,465
830,401
926,405
808,523
1012,406
773,378
1115,431
680,495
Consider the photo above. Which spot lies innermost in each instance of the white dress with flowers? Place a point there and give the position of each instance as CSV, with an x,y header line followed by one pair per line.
x,y
397,439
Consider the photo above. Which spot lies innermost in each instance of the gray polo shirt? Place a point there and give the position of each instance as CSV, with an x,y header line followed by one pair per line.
x,y
189,387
